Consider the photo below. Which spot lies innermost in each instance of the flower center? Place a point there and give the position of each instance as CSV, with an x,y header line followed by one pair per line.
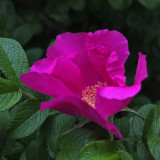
x,y
89,94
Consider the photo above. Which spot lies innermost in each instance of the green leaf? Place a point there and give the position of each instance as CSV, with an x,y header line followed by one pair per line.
x,y
25,32
154,145
4,118
9,100
104,150
120,4
14,61
6,142
69,145
32,151
150,4
138,123
143,152
123,125
59,125
148,122
9,13
34,54
6,65
27,117
7,86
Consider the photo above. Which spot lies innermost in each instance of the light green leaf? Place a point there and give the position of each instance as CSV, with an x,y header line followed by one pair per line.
x,y
13,63
9,100
7,86
104,150
27,117
14,58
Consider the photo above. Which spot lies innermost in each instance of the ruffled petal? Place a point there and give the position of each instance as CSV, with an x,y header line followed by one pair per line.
x,y
73,46
110,100
115,41
115,70
76,107
45,84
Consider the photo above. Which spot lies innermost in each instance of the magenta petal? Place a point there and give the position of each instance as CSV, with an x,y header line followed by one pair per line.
x,y
76,107
141,72
65,104
110,100
115,42
115,70
45,83
44,65
68,45
69,73
73,46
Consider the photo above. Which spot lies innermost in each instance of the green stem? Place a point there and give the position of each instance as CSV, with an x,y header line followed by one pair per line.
x,y
132,111
79,125
27,94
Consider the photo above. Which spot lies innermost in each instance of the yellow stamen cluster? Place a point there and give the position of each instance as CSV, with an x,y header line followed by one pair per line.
x,y
89,94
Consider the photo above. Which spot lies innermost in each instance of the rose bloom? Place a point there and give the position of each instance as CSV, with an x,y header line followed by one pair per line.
x,y
84,72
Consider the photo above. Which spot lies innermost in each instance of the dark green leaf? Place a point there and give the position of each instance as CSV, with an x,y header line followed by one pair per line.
x,y
25,32
123,125
27,117
138,123
150,4
60,124
34,54
69,145
120,4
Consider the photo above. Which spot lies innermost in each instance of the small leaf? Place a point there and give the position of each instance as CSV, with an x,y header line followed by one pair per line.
x,y
27,117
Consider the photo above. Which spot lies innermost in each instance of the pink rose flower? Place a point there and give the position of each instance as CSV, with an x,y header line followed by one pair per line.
x,y
84,72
